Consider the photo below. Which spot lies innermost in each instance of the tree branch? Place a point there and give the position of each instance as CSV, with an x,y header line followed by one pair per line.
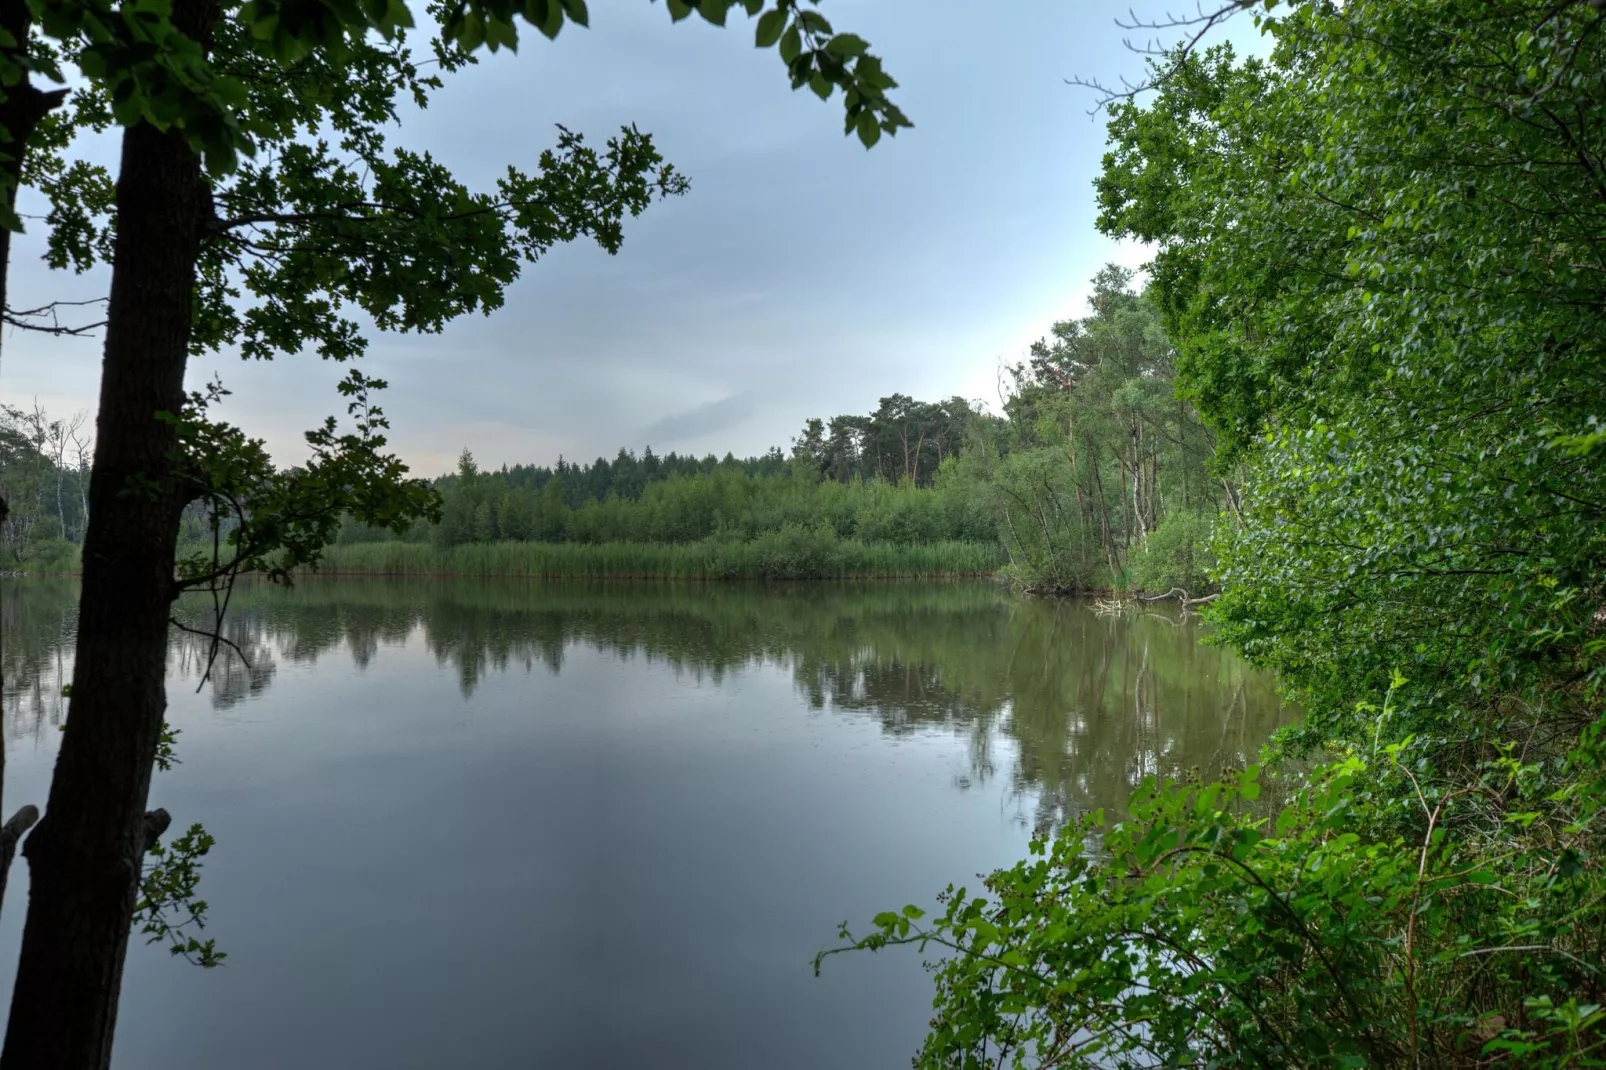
x,y
1202,22
28,319
156,822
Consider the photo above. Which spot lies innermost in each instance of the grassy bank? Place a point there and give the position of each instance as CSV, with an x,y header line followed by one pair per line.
x,y
767,557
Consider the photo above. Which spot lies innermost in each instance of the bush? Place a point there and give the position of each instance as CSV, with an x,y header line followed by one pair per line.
x,y
1346,934
797,552
1176,554
51,555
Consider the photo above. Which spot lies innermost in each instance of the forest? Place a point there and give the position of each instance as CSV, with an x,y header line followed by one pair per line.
x,y
44,479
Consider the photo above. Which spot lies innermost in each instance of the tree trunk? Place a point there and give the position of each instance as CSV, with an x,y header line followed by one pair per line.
x,y
85,857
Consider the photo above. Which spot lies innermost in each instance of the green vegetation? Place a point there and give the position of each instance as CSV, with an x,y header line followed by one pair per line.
x,y
1096,476
44,480
1378,257
1100,474
790,553
763,518
1361,392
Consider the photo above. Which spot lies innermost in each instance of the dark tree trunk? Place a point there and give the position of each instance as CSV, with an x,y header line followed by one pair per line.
x,y
85,857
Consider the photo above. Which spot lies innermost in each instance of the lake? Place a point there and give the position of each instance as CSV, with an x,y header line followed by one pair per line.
x,y
476,824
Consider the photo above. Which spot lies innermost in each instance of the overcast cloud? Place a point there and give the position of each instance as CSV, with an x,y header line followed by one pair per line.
x,y
800,276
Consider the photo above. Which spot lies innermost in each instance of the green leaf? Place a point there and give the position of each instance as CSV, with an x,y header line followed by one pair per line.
x,y
847,44
678,9
791,44
713,10
869,129
770,26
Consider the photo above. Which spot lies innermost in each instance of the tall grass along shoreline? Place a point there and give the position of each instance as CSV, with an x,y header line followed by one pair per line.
x,y
774,558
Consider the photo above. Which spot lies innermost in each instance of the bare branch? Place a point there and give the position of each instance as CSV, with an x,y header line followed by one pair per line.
x,y
46,319
1200,23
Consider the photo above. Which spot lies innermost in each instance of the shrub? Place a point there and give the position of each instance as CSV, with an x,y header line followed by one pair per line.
x,y
1343,934
1176,554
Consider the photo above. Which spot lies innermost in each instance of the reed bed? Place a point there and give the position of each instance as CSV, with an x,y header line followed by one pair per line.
x,y
766,557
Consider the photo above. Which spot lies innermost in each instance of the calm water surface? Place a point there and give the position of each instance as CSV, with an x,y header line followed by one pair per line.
x,y
502,825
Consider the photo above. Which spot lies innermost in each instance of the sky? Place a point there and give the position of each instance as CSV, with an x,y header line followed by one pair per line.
x,y
800,276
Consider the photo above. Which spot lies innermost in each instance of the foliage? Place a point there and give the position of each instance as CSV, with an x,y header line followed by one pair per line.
x,y
1398,326
44,477
1098,451
675,500
1378,262
903,440
1176,554
1201,934
150,71
168,888
1093,457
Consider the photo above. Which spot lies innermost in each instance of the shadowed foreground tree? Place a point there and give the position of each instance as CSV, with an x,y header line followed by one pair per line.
x,y
238,222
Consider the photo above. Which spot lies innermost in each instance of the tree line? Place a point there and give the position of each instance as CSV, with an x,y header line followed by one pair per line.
x,y
1096,475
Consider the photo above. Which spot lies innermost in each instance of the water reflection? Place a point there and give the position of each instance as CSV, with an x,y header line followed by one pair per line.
x,y
1071,707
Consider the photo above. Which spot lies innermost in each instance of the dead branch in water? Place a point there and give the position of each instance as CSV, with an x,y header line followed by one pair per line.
x,y
1184,601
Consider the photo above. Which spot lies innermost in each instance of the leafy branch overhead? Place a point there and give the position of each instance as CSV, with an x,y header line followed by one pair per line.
x,y
148,71
815,55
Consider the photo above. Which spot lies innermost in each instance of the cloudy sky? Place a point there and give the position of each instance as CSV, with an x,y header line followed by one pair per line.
x,y
800,276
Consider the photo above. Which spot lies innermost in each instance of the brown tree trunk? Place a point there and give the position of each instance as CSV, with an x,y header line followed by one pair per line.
x,y
85,857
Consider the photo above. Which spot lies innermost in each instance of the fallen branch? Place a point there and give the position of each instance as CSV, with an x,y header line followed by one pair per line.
x,y
1184,601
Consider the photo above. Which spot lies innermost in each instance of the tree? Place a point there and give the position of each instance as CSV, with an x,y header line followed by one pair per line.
x,y
1378,256
1100,453
294,234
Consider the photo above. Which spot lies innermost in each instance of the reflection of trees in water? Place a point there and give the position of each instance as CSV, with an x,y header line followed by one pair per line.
x,y
1093,705
1085,706
37,621
236,665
